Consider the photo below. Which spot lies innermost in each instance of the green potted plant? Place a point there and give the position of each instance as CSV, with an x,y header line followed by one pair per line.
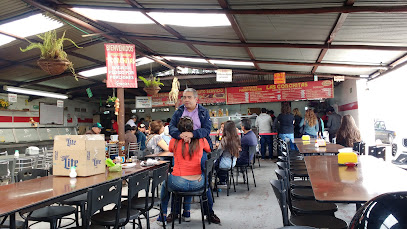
x,y
152,85
53,58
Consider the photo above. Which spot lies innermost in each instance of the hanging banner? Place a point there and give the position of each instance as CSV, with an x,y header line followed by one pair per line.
x,y
279,78
280,92
121,66
224,75
143,102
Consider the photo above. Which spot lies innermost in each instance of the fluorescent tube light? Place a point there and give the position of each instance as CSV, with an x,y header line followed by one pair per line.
x,y
143,61
34,92
226,62
116,16
94,72
23,27
191,19
196,60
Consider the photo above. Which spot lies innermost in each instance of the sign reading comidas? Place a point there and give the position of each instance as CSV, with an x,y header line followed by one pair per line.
x,y
121,65
280,92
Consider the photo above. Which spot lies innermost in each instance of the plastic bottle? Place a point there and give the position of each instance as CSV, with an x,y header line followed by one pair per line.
x,y
227,112
16,153
73,173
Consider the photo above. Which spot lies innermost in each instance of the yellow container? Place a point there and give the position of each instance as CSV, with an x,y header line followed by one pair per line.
x,y
306,137
347,157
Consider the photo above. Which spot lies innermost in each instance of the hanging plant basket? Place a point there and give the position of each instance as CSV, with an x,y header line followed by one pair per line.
x,y
152,90
53,67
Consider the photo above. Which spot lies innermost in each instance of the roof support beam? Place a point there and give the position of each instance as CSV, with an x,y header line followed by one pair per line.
x,y
338,25
320,10
261,45
224,4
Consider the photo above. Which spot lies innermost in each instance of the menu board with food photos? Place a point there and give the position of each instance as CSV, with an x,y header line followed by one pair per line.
x,y
215,96
280,92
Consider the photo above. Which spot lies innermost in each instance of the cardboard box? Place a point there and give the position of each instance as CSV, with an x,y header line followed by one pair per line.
x,y
85,152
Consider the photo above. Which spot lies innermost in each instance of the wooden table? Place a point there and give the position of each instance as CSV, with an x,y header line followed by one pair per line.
x,y
371,177
162,154
32,194
310,148
300,141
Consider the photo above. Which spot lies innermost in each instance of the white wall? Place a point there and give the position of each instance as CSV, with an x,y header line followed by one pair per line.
x,y
23,103
346,93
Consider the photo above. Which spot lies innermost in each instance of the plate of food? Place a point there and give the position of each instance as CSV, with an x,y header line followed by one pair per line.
x,y
128,165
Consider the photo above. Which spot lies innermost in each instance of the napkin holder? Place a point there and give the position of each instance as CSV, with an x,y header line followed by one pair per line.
x,y
306,137
347,157
321,142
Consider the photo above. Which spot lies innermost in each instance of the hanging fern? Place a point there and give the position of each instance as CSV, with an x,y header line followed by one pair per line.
x,y
52,48
154,82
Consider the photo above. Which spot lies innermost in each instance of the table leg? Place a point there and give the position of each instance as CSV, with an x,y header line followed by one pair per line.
x,y
13,220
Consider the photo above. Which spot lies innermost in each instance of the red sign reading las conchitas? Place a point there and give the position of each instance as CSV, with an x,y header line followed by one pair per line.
x,y
121,65
280,92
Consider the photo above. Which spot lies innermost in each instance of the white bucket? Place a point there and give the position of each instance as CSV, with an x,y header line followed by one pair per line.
x,y
114,137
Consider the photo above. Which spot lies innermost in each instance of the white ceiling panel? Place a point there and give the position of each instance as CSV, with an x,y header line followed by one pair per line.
x,y
216,32
223,52
169,48
344,71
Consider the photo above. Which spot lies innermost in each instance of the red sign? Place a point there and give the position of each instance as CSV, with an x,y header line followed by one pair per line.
x,y
162,100
121,65
279,78
212,96
280,92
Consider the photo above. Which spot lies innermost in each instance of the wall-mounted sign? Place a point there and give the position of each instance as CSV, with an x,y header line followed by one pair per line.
x,y
60,103
161,100
339,78
160,109
280,92
12,98
279,78
121,65
143,102
224,75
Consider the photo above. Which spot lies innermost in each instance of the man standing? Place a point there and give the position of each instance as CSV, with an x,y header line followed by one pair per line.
x,y
334,122
141,137
264,124
202,128
132,121
199,114
96,129
248,139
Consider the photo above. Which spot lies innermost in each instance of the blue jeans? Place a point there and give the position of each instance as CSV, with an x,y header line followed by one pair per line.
x,y
289,136
178,183
165,196
266,140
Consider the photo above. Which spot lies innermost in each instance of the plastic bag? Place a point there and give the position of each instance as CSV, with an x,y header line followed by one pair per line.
x,y
115,168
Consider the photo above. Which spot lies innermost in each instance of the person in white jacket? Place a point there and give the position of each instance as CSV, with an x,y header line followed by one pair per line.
x,y
264,124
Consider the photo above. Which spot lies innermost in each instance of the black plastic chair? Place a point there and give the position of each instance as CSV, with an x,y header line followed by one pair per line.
x,y
136,183
178,195
302,207
80,203
229,179
377,151
243,168
49,214
145,204
359,147
318,221
384,211
101,196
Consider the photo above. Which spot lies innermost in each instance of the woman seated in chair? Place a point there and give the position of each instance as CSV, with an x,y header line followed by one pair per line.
x,y
348,132
154,141
187,174
230,144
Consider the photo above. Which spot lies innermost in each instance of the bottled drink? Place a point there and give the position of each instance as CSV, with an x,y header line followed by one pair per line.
x,y
16,153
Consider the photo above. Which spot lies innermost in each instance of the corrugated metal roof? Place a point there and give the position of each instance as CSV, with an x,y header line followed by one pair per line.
x,y
343,71
117,3
374,57
277,67
66,82
291,54
366,28
286,28
218,32
283,4
223,52
379,2
12,8
180,4
142,30
168,48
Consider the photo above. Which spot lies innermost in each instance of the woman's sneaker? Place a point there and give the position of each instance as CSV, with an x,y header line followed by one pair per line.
x,y
186,216
214,219
160,221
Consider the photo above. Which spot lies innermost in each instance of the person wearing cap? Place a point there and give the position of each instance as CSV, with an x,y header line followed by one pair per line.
x,y
96,129
132,121
141,137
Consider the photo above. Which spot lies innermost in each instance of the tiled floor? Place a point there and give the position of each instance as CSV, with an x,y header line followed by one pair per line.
x,y
257,208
